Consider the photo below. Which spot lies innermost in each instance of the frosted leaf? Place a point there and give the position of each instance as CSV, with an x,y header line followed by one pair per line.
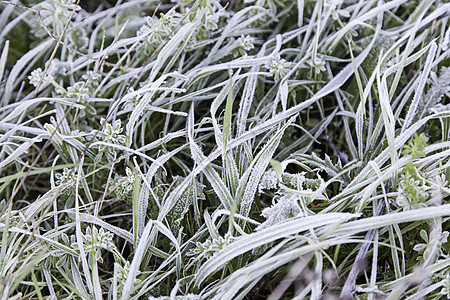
x,y
156,29
94,241
68,177
36,76
333,6
122,186
429,243
78,38
318,64
77,91
327,165
246,42
211,246
295,181
269,181
193,193
431,101
278,67
446,286
111,134
286,207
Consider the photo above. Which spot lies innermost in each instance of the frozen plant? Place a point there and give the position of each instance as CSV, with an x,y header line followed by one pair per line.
x,y
278,67
94,241
269,181
284,206
78,38
156,30
67,177
122,186
421,248
445,291
412,192
78,91
318,64
54,14
334,7
245,43
36,76
211,246
111,133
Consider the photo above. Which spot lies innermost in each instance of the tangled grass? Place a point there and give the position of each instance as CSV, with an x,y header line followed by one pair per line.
x,y
225,150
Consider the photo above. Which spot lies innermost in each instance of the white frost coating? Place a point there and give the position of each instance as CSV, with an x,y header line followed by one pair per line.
x,y
95,220
419,90
256,239
19,66
285,208
144,193
218,185
249,182
137,258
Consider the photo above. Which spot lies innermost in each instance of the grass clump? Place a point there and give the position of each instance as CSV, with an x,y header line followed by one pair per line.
x,y
212,150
